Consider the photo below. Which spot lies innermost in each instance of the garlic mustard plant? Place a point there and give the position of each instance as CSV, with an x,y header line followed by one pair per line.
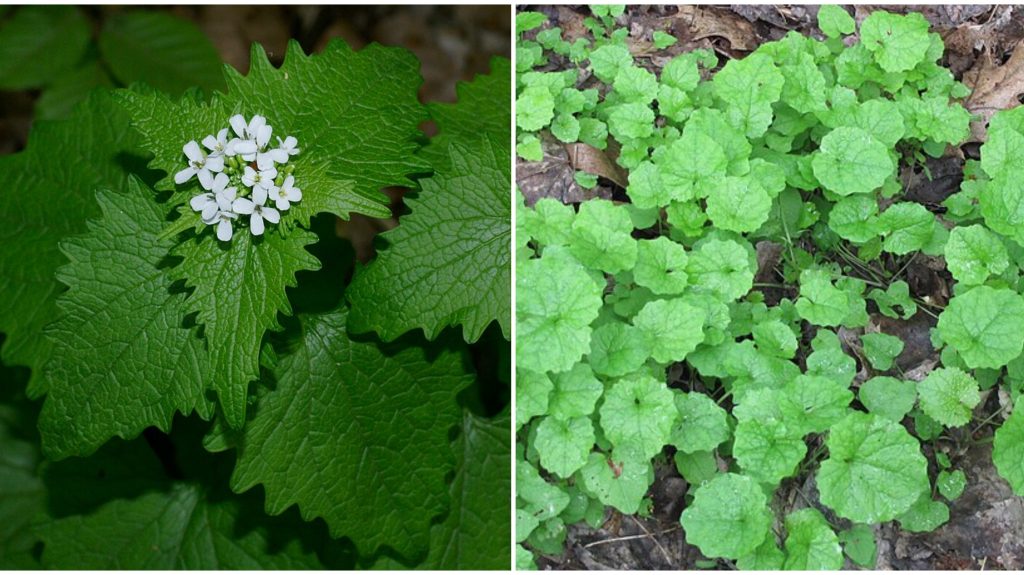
x,y
233,161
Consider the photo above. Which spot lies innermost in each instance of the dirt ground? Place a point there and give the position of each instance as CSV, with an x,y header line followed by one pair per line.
x,y
984,49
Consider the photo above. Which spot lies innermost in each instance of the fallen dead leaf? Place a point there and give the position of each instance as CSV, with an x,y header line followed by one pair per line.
x,y
587,158
994,87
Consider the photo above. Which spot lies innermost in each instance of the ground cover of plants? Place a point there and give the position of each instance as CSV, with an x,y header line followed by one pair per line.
x,y
199,371
769,309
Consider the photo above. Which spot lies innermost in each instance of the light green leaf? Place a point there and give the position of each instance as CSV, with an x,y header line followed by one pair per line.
x,y
888,397
549,222
749,86
739,204
729,517
553,332
692,166
575,393
948,395
907,226
702,425
775,338
851,161
533,392
859,545
673,327
811,545
535,108
661,266
638,414
951,484
619,481
899,43
820,302
607,60
854,218
617,349
985,325
121,361
600,237
834,21
722,267
768,450
875,470
881,349
926,515
973,253
1008,451
631,121
356,476
564,444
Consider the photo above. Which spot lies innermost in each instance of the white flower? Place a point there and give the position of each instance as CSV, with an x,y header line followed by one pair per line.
x,y
199,165
250,136
223,219
207,204
218,144
286,194
217,200
280,154
258,210
261,179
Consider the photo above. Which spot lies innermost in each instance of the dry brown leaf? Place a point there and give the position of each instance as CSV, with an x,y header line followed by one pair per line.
x,y
702,22
994,87
587,158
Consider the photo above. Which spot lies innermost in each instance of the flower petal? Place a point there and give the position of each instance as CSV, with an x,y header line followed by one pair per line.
x,y
192,151
295,195
264,161
198,202
205,179
259,195
255,124
214,163
238,124
211,143
220,182
244,147
263,136
243,206
184,175
224,230
271,215
279,156
210,211
282,204
256,224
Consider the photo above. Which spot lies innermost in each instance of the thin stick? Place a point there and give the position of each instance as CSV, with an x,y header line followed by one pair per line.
x,y
668,560
626,538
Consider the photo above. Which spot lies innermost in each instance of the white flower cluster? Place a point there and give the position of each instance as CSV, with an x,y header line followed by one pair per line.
x,y
247,163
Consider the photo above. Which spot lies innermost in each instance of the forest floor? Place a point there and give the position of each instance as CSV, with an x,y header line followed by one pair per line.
x,y
984,50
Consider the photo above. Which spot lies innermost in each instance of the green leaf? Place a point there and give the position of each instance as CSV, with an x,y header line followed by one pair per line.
x,y
661,266
663,40
698,467
535,108
702,425
455,242
617,349
635,84
775,338
767,557
820,302
533,392
729,517
606,62
875,470
898,43
859,545
39,44
600,237
985,325
475,532
722,267
356,476
161,50
692,166
549,222
673,327
59,98
768,450
638,414
22,498
537,497
554,332
618,481
881,349
907,226
834,21
1008,451
575,393
526,21
926,515
888,397
564,444
834,169
739,204
61,197
973,253
811,545
566,128
158,523
948,395
749,86
631,121
951,484
121,359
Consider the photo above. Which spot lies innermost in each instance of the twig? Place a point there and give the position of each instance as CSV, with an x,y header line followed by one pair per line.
x,y
627,538
668,560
